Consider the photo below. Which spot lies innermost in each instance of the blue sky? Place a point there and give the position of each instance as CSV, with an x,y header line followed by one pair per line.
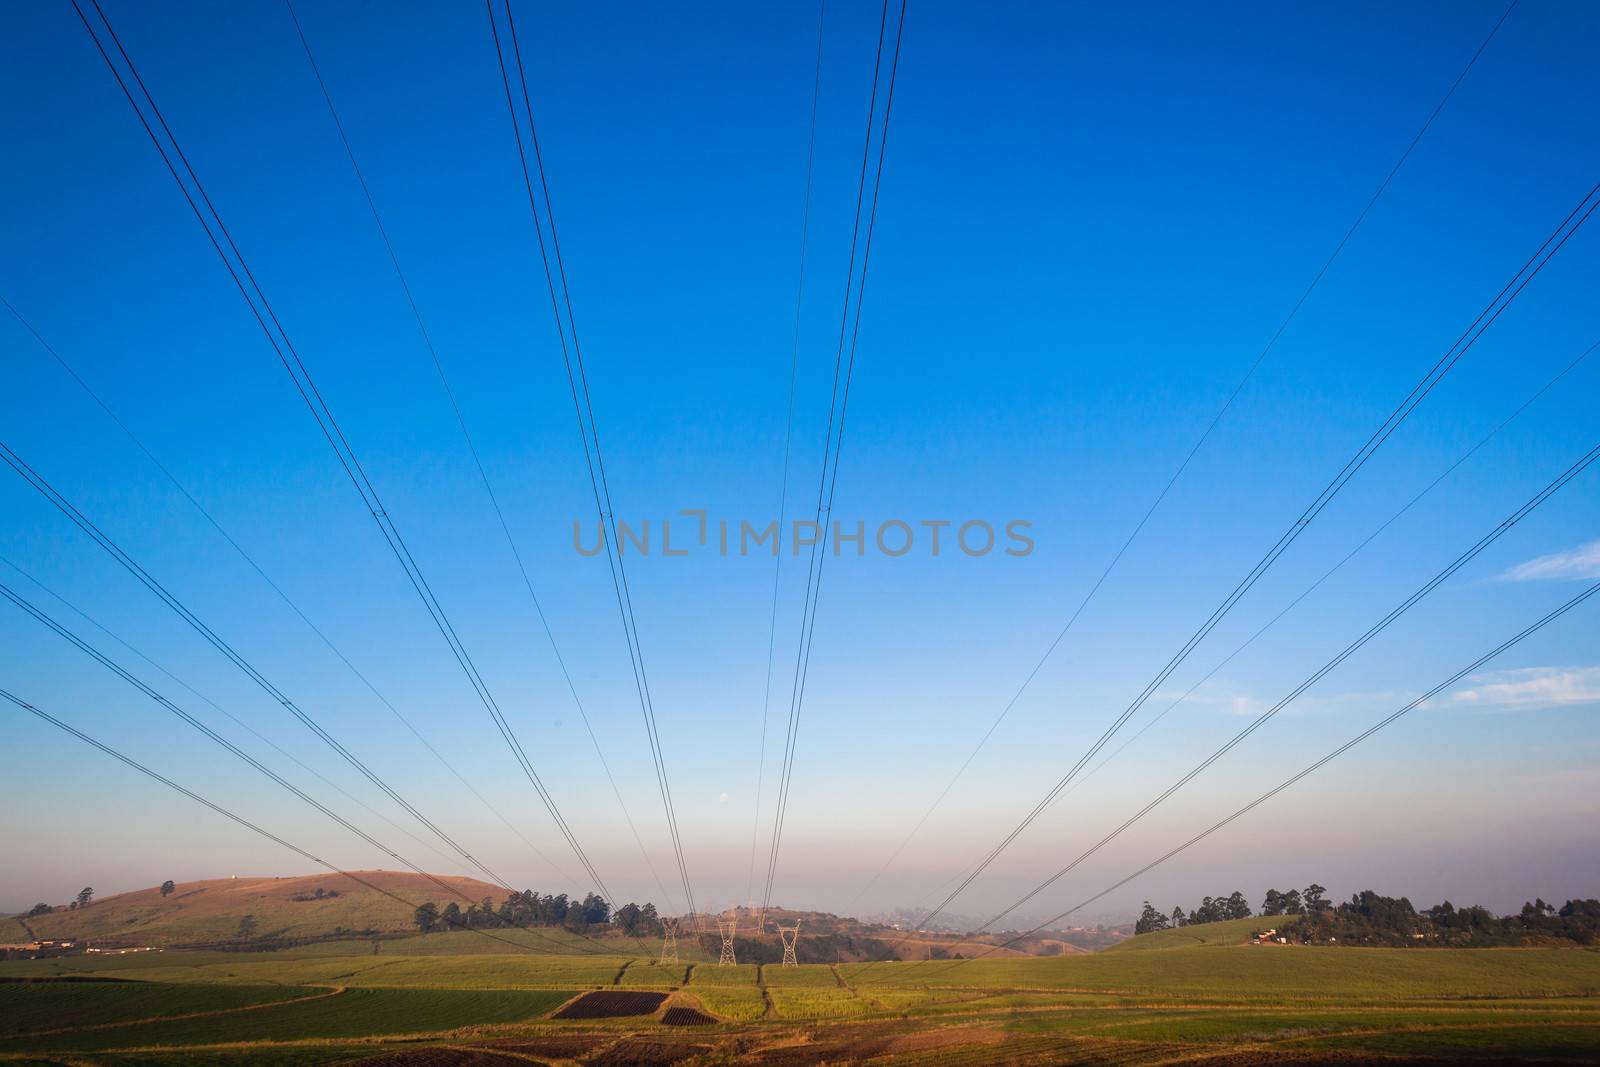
x,y
1091,222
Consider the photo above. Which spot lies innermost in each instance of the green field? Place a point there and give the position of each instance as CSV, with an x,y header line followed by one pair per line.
x,y
1160,999
33,1007
336,1014
812,992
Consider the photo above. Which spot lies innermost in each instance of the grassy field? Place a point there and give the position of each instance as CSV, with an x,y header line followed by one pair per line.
x,y
812,991
33,1007
729,992
1167,1000
347,1013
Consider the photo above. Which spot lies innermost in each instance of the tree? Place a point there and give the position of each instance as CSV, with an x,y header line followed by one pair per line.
x,y
1150,920
1178,918
167,887
39,909
85,895
1292,904
595,909
451,915
247,928
1390,914
1315,898
426,916
1272,904
1236,907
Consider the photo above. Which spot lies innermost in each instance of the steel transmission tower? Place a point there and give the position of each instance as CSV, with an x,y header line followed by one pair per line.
x,y
726,929
791,937
669,941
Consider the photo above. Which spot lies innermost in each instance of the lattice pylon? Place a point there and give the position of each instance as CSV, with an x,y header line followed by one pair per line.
x,y
669,942
726,929
790,937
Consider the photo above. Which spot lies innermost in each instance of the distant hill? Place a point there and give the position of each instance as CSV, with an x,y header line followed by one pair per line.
x,y
210,912
829,938
264,912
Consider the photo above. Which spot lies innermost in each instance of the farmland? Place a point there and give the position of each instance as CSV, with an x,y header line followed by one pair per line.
x,y
1157,999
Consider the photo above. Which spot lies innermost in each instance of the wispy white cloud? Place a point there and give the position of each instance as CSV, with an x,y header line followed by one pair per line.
x,y
1222,697
1214,696
1580,562
1530,688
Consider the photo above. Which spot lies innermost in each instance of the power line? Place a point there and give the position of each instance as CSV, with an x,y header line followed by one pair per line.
x,y
216,738
472,447
239,819
1516,516
214,706
1294,778
277,589
1314,586
788,438
82,521
1486,318
833,443
289,357
1188,458
1466,557
577,380
1329,573
233,749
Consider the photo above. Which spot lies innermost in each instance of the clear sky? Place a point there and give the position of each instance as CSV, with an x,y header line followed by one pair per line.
x,y
1092,220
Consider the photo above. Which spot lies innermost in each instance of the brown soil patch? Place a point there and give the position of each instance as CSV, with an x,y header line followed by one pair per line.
x,y
867,1047
611,1004
947,1037
436,1056
823,1052
683,1016
553,1046
638,1052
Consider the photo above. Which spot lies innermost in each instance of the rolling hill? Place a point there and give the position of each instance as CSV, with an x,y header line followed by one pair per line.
x,y
1202,935
211,911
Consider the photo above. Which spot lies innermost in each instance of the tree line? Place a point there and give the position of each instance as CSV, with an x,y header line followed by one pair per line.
x,y
84,898
1371,918
528,908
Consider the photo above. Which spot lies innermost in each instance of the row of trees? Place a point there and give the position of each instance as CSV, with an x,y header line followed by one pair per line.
x,y
320,894
1372,918
1312,899
86,896
528,908
1296,902
83,899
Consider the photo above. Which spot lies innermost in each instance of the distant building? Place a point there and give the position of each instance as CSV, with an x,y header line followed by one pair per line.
x,y
32,950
